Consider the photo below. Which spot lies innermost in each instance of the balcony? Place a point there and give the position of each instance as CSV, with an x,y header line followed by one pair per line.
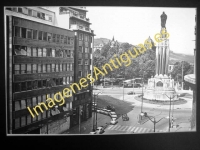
x,y
79,27
83,18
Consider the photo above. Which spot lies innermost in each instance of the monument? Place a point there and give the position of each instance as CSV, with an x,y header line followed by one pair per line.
x,y
161,84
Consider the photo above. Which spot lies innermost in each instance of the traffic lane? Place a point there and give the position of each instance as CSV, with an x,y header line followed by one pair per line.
x,y
117,91
161,125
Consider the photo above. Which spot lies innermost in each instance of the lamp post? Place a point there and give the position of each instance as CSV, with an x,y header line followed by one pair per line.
x,y
95,111
133,85
153,121
170,109
142,90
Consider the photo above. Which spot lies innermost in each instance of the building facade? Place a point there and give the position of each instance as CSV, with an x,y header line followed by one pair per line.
x,y
74,18
39,63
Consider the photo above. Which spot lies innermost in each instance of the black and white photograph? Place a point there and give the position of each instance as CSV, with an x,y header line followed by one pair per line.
x,y
100,70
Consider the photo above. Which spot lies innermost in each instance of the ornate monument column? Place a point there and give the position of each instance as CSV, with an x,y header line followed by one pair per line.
x,y
162,52
161,85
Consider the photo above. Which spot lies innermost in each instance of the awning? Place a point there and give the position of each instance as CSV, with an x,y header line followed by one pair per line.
x,y
190,78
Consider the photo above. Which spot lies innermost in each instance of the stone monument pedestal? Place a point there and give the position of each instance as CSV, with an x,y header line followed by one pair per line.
x,y
159,87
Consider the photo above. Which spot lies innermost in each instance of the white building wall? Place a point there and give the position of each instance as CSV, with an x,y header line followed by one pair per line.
x,y
20,15
60,20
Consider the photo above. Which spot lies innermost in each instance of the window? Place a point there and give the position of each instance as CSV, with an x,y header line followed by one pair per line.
x,y
72,54
39,83
23,86
70,79
71,41
67,67
68,40
65,39
53,67
34,13
29,51
68,53
61,53
54,37
23,104
39,68
17,122
45,36
62,39
64,80
44,84
81,49
17,69
86,62
18,31
53,52
86,72
17,105
29,68
20,9
17,87
60,67
67,80
79,73
34,52
29,33
42,16
39,52
35,84
40,35
86,38
71,69
57,82
35,34
38,14
57,53
80,36
48,68
30,12
49,37
64,67
44,68
80,61
86,50
29,85
49,52
23,32
23,68
25,10
57,69
34,68
58,38
44,52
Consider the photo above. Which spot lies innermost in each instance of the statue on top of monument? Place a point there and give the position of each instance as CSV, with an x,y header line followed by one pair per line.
x,y
163,20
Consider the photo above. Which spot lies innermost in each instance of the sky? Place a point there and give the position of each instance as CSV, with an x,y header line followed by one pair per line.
x,y
135,24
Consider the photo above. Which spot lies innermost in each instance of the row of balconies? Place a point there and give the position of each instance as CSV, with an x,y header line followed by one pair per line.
x,y
82,17
80,27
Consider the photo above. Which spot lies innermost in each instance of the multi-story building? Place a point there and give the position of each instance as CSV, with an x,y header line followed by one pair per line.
x,y
190,80
39,63
74,18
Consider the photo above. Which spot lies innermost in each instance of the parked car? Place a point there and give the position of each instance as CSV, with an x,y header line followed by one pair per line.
x,y
113,115
100,130
130,93
125,117
112,108
113,121
93,132
104,111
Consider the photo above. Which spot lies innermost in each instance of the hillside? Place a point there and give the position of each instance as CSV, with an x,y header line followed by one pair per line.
x,y
98,41
174,57
181,57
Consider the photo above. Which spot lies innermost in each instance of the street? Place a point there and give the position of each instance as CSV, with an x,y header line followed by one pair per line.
x,y
181,114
